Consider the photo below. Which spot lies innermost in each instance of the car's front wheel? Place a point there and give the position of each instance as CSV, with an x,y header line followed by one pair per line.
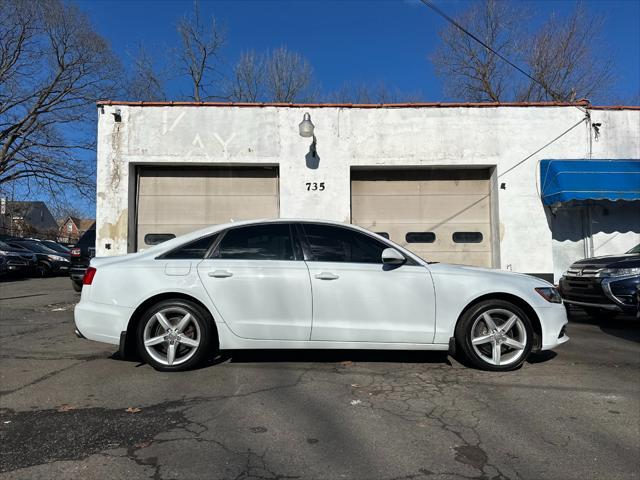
x,y
175,335
495,335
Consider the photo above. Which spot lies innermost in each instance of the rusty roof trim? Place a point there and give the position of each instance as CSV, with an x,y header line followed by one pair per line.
x,y
615,107
579,103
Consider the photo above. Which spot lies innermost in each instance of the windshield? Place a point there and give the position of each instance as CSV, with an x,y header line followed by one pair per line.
x,y
635,249
55,246
36,247
4,246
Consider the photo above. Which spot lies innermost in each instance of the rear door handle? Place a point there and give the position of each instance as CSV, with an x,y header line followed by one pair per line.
x,y
220,274
327,276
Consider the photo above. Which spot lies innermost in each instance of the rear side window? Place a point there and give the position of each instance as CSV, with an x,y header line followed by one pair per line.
x,y
192,251
257,242
335,244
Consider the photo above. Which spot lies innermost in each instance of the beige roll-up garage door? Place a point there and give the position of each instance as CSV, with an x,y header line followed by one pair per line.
x,y
178,200
441,215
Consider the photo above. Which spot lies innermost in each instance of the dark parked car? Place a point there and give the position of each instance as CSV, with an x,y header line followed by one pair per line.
x,y
19,260
50,262
11,263
56,246
604,285
81,255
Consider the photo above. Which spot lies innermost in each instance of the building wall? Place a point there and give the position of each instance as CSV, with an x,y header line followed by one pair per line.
x,y
347,138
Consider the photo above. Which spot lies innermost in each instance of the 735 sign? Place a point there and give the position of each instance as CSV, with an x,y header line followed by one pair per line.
x,y
315,186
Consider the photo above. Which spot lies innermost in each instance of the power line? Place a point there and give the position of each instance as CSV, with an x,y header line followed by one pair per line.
x,y
429,4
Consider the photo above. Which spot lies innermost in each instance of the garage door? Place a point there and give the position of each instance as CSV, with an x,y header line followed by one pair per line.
x,y
441,215
181,200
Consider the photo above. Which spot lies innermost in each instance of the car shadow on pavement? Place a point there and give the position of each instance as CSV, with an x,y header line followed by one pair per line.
x,y
626,327
541,357
330,356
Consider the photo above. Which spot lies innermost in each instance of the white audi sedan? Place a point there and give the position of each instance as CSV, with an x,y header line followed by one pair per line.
x,y
291,284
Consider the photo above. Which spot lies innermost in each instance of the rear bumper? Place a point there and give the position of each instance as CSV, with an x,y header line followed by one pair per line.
x,y
101,322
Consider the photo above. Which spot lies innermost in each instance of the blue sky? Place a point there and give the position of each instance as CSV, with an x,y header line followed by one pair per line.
x,y
346,41
350,41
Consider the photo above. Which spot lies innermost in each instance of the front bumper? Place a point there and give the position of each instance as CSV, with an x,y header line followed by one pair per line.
x,y
618,294
553,320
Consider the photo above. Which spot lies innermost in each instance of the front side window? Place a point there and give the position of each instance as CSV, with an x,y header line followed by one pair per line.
x,y
193,250
257,242
335,244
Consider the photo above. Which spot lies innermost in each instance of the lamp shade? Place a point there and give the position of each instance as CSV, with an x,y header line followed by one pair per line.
x,y
306,127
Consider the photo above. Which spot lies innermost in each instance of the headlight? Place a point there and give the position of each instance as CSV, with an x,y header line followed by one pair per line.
x,y
56,258
618,272
550,294
4,252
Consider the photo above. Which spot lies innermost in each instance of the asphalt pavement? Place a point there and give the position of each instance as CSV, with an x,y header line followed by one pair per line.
x,y
70,408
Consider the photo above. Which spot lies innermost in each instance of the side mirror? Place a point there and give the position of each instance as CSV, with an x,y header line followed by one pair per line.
x,y
391,256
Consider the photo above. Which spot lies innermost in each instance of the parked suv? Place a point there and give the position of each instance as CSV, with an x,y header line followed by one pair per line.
x,y
81,255
18,260
50,262
604,285
11,262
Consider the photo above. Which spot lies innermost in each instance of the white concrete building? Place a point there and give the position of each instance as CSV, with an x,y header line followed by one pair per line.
x,y
453,182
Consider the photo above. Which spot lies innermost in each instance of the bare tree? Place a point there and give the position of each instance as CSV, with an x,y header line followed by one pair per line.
x,y
247,82
469,70
277,76
374,92
562,58
53,67
145,82
202,42
560,55
288,76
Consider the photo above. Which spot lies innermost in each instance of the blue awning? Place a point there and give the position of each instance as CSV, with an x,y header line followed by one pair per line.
x,y
566,180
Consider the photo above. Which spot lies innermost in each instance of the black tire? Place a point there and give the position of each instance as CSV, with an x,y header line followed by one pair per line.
x,y
472,324
43,270
599,313
201,327
77,286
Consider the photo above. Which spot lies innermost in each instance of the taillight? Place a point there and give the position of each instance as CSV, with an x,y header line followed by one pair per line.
x,y
88,276
76,252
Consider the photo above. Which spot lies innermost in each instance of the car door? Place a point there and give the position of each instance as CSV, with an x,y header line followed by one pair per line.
x,y
358,299
259,283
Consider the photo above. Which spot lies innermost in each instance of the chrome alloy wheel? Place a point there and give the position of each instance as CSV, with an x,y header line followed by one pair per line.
x,y
499,337
171,336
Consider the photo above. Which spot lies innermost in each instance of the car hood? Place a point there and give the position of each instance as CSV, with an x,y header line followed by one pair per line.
x,y
496,274
628,260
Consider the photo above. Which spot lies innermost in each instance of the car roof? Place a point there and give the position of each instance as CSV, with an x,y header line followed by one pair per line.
x,y
189,237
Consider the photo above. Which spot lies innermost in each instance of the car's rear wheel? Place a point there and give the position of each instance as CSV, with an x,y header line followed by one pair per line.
x,y
495,335
77,286
175,335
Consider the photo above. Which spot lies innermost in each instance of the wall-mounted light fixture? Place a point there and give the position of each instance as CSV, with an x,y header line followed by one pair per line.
x,y
306,130
117,115
306,127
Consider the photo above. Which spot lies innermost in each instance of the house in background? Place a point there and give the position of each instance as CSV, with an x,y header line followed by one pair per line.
x,y
28,219
73,228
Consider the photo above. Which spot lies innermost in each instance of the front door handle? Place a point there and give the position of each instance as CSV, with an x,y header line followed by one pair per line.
x,y
220,274
327,276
